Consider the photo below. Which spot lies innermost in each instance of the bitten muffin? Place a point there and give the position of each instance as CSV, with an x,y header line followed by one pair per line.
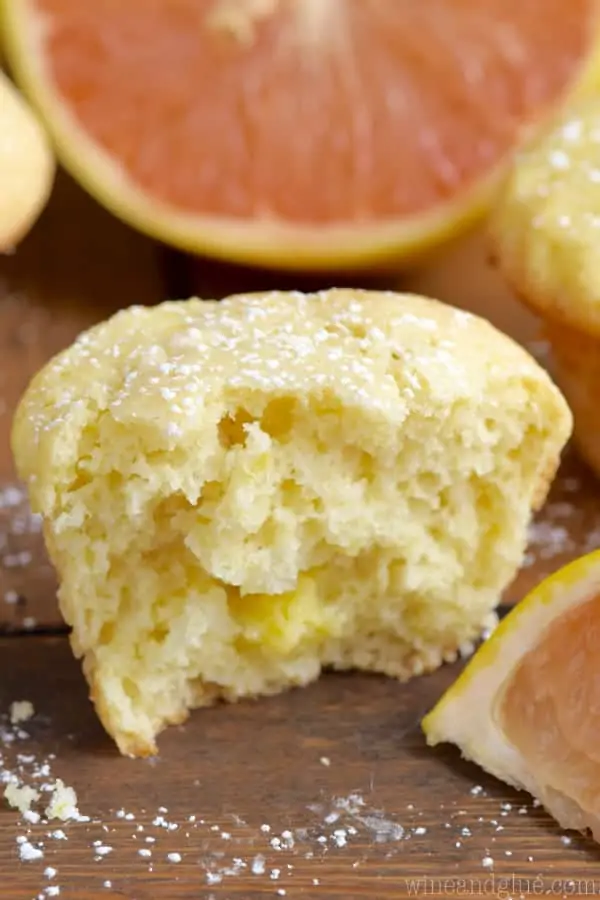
x,y
546,241
237,495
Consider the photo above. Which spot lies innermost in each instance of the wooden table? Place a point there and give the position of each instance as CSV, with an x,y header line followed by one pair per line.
x,y
327,792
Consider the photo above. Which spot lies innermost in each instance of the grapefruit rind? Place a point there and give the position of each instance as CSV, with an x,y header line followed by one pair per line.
x,y
465,715
269,242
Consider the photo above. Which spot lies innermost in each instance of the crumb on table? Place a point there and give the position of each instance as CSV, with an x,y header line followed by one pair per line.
x,y
21,711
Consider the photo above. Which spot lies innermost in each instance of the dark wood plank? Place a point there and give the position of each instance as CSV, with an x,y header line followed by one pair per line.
x,y
349,746
76,267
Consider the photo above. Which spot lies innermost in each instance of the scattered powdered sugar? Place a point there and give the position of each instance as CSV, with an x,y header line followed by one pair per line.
x,y
547,540
27,779
349,826
264,852
21,548
19,522
541,351
565,527
29,852
355,809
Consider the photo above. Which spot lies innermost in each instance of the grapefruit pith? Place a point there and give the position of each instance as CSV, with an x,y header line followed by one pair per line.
x,y
526,707
296,133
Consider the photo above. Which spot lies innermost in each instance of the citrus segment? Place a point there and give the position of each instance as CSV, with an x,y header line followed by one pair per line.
x,y
526,707
550,706
320,130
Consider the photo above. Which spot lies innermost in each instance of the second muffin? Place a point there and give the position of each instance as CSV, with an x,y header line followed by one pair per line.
x,y
546,241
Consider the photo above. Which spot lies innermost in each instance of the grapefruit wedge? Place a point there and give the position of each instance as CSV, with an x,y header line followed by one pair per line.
x,y
296,133
527,706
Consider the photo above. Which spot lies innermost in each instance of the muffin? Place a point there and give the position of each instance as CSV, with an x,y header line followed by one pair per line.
x,y
546,242
238,495
27,167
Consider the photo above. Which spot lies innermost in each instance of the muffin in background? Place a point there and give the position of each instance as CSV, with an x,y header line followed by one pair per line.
x,y
546,241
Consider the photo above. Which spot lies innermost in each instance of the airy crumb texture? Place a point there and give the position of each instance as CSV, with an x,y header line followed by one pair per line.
x,y
20,797
21,711
546,225
63,802
238,494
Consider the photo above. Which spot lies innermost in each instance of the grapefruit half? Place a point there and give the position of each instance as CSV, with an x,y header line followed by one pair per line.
x,y
526,706
296,133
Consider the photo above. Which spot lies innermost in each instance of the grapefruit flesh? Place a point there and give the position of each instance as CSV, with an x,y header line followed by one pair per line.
x,y
302,131
527,706
551,708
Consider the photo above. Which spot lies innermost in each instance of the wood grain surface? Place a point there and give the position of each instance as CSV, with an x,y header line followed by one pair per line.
x,y
324,792
330,789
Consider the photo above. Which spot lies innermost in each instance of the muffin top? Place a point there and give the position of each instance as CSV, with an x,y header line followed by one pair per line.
x,y
174,373
546,227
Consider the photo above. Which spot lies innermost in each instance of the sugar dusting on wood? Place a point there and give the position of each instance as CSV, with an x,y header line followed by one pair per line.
x,y
343,825
21,523
22,555
27,779
266,851
554,536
